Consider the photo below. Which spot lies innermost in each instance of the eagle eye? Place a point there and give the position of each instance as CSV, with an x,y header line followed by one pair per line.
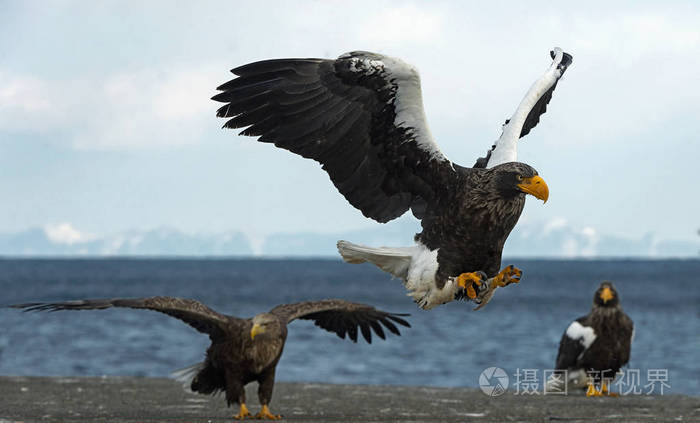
x,y
519,177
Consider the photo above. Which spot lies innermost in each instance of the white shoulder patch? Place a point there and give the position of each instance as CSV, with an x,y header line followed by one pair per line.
x,y
409,104
506,149
584,334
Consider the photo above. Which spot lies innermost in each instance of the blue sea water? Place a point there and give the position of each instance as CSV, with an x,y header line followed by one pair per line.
x,y
448,346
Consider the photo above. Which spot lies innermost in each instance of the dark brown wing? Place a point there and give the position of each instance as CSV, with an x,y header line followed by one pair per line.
x,y
343,317
626,338
360,116
191,312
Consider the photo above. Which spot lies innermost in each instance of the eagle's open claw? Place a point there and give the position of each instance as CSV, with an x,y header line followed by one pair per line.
x,y
472,283
507,276
243,413
266,414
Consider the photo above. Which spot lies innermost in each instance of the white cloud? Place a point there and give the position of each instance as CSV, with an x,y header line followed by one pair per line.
x,y
570,248
65,233
21,92
553,225
152,109
24,101
590,235
128,110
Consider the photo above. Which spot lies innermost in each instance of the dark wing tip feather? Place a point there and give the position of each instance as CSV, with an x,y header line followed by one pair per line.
x,y
377,329
29,306
566,61
345,318
395,317
392,327
366,331
64,305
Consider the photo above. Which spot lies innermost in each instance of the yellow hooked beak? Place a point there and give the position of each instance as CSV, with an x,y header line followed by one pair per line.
x,y
606,295
256,330
535,186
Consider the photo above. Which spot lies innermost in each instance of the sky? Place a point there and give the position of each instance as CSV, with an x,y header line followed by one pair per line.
x,y
106,122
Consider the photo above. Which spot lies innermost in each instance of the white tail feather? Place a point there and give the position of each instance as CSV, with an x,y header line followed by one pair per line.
x,y
185,375
394,260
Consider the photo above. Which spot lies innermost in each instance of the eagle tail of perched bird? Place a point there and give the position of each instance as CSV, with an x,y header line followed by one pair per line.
x,y
187,374
199,378
394,260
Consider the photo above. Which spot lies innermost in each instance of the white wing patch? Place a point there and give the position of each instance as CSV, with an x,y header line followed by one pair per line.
x,y
409,105
408,99
584,334
506,149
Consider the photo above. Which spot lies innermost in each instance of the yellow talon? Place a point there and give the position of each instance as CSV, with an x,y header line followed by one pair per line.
x,y
605,391
243,413
471,292
507,276
594,392
467,282
266,414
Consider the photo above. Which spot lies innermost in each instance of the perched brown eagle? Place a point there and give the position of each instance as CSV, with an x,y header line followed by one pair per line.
x,y
246,350
361,116
594,347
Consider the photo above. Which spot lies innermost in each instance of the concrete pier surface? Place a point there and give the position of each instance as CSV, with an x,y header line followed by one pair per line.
x,y
129,399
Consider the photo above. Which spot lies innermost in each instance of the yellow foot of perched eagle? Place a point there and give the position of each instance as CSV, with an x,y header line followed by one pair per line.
x,y
471,282
594,392
243,413
266,414
608,393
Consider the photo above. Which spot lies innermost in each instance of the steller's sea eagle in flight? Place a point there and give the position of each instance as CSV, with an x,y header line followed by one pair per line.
x,y
361,116
594,347
246,350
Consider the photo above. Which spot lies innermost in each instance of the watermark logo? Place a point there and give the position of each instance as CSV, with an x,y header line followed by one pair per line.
x,y
493,381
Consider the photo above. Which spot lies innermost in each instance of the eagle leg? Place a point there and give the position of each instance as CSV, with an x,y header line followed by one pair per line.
x,y
593,391
243,413
266,414
510,274
471,282
604,390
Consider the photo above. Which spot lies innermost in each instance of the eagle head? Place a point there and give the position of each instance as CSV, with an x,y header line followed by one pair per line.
x,y
516,178
606,295
265,325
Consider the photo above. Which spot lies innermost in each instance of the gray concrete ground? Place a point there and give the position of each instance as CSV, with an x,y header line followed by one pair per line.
x,y
124,399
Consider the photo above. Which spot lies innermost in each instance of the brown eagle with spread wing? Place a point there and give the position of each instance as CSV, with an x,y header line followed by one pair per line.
x,y
246,350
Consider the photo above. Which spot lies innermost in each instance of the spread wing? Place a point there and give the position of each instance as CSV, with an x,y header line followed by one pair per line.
x,y
192,312
343,317
360,116
528,113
